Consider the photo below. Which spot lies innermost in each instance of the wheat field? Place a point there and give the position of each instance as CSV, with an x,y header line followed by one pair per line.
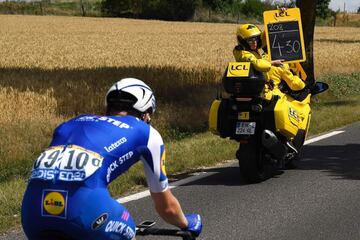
x,y
82,43
53,68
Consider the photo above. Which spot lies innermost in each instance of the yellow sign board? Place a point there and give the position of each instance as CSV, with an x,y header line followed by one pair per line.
x,y
284,35
238,69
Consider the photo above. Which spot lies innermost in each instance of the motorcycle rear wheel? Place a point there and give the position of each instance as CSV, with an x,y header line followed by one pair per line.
x,y
252,165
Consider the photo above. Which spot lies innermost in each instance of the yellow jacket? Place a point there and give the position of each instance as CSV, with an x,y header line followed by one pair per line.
x,y
262,64
254,57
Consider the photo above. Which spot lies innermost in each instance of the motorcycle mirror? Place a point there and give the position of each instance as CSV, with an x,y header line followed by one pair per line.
x,y
319,87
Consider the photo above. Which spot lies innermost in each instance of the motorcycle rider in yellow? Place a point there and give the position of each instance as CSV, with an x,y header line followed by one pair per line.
x,y
249,48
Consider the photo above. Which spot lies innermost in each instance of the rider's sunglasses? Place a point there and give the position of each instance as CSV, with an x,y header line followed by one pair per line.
x,y
251,40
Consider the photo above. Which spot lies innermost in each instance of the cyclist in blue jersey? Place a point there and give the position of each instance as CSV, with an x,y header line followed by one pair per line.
x,y
67,195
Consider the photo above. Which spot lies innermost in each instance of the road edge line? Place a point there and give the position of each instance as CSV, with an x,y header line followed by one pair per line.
x,y
321,137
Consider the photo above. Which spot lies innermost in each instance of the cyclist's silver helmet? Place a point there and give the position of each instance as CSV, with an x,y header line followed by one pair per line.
x,y
131,93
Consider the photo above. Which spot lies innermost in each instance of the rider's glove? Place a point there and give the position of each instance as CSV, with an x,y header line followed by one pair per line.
x,y
194,223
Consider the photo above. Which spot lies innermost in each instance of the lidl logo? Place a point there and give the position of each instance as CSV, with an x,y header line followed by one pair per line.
x,y
238,69
54,203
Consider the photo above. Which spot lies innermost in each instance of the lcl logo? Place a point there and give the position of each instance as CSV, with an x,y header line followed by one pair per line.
x,y
282,14
239,67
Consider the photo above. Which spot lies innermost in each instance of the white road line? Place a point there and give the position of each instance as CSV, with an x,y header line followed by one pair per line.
x,y
184,181
133,197
316,139
201,175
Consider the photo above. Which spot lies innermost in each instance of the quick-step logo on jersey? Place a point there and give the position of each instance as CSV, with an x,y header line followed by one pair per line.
x,y
87,119
121,228
103,119
54,203
114,122
115,164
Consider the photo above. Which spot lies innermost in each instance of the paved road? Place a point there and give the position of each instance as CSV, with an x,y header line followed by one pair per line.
x,y
320,200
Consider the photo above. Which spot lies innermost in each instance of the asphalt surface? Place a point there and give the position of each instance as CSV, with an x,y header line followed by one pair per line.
x,y
319,200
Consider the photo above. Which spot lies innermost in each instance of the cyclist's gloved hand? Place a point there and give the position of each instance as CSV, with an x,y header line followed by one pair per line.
x,y
194,224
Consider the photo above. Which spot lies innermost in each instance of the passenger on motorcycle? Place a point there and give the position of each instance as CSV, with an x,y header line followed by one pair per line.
x,y
67,195
284,72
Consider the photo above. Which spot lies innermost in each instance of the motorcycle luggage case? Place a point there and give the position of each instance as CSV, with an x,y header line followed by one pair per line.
x,y
213,116
223,119
242,80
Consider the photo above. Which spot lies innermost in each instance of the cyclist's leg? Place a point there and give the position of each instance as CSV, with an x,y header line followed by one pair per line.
x,y
30,213
99,217
104,218
39,225
42,223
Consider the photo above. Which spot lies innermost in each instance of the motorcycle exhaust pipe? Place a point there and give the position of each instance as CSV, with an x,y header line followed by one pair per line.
x,y
273,145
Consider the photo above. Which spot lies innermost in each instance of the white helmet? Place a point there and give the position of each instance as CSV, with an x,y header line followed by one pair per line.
x,y
133,92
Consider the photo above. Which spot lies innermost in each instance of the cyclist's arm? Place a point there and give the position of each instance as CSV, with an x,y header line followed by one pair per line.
x,y
153,157
166,204
168,207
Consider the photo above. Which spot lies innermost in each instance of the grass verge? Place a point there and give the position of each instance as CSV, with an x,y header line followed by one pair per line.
x,y
335,108
339,105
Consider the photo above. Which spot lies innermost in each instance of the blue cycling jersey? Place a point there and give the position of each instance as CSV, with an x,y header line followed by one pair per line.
x,y
95,150
67,191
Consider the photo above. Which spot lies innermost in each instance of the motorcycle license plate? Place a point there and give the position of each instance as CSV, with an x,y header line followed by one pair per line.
x,y
245,128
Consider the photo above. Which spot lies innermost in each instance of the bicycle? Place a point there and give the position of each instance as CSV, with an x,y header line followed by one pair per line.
x,y
143,229
146,228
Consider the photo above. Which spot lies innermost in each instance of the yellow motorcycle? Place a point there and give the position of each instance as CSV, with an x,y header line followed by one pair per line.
x,y
270,124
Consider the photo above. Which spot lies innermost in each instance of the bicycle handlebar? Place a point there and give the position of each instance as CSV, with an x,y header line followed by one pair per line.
x,y
164,232
149,230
